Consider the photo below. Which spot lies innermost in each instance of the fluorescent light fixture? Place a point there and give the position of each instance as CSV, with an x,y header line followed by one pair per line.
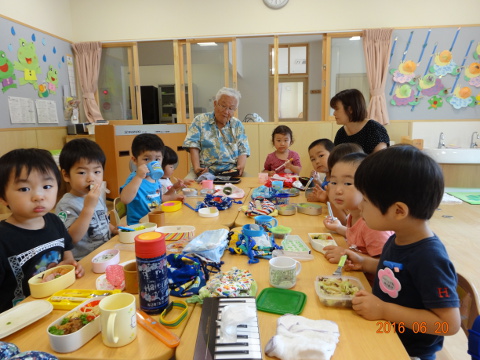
x,y
355,38
208,44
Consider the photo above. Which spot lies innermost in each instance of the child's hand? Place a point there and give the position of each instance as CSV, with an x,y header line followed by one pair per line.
x,y
333,253
142,171
368,305
188,182
317,194
271,173
354,260
79,270
332,224
91,199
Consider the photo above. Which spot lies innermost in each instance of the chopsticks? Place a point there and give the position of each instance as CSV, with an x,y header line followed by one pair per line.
x,y
330,212
285,163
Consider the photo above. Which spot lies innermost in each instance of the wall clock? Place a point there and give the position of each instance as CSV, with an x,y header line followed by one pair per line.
x,y
275,4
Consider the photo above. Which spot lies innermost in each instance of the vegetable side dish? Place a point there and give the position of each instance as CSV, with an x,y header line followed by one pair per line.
x,y
54,274
77,319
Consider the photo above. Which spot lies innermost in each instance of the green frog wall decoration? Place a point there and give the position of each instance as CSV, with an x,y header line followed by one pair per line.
x,y
28,63
7,75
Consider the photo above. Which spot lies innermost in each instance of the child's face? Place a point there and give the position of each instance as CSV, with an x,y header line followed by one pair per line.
x,y
341,188
319,158
168,171
82,175
31,196
281,142
372,215
340,114
147,157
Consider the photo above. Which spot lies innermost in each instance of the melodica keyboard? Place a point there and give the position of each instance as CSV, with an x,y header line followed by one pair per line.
x,y
207,347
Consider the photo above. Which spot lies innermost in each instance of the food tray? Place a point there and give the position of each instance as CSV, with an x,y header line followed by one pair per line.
x,y
320,240
39,289
69,298
71,342
23,315
295,243
281,301
340,299
309,208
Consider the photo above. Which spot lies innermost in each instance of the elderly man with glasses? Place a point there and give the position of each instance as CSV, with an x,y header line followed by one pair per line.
x,y
217,141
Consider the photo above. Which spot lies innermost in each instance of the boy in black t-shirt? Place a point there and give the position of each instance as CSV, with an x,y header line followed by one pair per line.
x,y
32,239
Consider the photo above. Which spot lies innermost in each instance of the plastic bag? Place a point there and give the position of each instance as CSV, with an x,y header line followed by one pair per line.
x,y
210,244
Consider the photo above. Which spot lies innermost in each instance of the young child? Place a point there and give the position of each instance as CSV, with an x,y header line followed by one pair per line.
x,y
282,138
140,192
319,152
169,164
415,282
345,196
83,210
32,239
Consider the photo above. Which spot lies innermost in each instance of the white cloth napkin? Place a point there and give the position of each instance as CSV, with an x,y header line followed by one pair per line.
x,y
300,338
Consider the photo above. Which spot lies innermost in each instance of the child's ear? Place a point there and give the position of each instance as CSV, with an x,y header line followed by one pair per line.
x,y
400,210
3,202
66,176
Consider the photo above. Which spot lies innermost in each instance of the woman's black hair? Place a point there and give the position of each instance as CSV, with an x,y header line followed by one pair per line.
x,y
401,173
353,102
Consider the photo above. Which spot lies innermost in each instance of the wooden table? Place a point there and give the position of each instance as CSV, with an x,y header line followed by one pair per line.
x,y
358,337
145,346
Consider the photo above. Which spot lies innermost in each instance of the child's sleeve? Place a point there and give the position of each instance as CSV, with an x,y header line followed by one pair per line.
x,y
296,159
375,240
268,163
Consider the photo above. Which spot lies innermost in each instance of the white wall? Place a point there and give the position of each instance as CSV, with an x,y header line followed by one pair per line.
x,y
93,20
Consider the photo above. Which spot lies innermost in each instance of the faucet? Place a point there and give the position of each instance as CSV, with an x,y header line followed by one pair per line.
x,y
441,141
473,143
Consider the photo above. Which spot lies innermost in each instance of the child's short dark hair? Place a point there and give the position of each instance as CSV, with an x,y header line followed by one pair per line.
x,y
16,160
352,158
78,149
340,151
282,130
326,143
170,157
353,102
146,142
401,173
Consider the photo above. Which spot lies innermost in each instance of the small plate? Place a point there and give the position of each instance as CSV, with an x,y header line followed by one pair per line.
x,y
281,301
22,315
102,284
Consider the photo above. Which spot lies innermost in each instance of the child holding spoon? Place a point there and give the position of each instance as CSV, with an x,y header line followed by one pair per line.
x,y
282,160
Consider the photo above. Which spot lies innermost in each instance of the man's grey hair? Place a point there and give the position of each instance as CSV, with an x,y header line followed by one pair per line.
x,y
228,92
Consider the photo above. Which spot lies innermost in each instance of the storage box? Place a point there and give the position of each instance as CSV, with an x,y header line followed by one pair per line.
x,y
341,295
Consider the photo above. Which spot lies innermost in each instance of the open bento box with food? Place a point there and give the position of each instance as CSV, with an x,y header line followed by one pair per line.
x,y
74,329
320,240
338,291
52,280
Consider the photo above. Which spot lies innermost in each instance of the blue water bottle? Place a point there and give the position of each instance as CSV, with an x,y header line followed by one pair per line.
x,y
155,170
153,291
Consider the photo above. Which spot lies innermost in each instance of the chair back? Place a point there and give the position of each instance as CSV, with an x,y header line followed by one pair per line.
x,y
119,210
469,305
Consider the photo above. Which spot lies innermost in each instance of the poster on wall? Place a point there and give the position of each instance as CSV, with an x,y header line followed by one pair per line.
x,y
21,110
46,111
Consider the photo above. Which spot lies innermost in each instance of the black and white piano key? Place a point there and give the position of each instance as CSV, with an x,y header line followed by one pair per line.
x,y
244,333
239,355
240,342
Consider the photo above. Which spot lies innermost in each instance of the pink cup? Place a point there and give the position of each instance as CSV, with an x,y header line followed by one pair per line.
x,y
207,184
262,178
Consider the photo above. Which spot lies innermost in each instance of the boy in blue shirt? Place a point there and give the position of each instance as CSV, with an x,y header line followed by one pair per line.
x,y
415,282
32,239
140,193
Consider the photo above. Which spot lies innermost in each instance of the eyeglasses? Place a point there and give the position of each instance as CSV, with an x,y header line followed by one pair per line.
x,y
229,109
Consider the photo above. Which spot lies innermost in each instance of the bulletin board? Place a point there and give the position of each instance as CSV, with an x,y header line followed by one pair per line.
x,y
36,71
434,74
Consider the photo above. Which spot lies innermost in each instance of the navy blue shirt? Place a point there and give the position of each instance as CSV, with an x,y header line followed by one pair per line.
x,y
426,280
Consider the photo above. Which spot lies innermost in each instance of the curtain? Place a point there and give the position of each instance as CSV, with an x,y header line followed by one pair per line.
x,y
87,62
376,45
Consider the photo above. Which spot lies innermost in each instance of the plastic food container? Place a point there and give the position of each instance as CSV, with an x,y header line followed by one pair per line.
x,y
340,298
189,192
105,258
280,232
173,233
71,342
309,208
294,243
282,199
128,237
286,210
39,289
320,240
171,206
208,212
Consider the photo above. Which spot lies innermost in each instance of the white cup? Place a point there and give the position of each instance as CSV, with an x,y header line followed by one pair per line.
x,y
118,319
284,271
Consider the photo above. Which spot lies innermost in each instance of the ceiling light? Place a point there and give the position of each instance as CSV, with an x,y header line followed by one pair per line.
x,y
208,44
354,38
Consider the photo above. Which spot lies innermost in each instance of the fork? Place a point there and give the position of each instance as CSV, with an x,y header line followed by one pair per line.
x,y
338,272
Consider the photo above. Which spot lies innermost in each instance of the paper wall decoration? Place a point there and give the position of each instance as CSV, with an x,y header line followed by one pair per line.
x,y
472,74
404,95
462,97
435,102
403,58
7,73
476,52
28,63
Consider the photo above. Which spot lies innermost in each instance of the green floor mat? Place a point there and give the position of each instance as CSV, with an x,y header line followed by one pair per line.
x,y
469,197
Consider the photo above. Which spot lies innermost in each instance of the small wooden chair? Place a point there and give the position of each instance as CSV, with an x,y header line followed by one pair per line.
x,y
119,211
469,304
